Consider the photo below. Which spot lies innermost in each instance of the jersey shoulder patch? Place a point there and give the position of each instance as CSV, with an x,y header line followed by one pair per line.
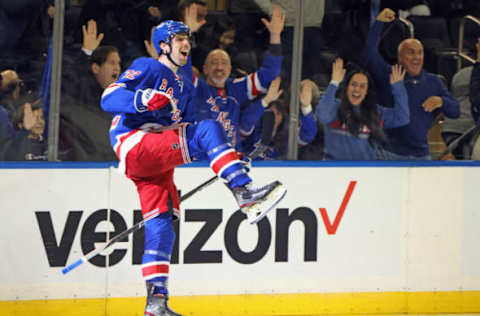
x,y
131,74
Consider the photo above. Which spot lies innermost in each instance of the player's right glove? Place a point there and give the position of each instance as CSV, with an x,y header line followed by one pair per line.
x,y
154,100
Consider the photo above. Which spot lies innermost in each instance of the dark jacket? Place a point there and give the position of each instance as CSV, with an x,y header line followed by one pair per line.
x,y
84,125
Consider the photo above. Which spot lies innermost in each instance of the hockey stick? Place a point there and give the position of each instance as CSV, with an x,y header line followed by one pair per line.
x,y
135,227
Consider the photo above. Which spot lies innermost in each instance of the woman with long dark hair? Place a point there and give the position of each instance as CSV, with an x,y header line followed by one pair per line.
x,y
353,122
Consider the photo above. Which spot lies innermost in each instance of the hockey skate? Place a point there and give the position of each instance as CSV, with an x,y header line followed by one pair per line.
x,y
257,202
157,305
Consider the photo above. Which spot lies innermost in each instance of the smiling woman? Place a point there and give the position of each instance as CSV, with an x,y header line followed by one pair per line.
x,y
353,123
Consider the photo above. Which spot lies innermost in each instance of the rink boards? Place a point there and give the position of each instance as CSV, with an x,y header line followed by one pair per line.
x,y
347,239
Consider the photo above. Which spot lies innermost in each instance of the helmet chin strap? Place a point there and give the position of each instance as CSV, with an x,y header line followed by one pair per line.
x,y
170,57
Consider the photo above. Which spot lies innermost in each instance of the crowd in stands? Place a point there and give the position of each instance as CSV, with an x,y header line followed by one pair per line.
x,y
369,90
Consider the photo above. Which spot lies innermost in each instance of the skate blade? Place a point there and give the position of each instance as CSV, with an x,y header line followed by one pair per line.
x,y
258,211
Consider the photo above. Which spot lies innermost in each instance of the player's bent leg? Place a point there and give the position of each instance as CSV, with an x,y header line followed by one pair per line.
x,y
159,240
208,137
207,140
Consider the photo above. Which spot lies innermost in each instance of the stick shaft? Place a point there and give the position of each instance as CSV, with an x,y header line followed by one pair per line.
x,y
95,252
132,229
198,188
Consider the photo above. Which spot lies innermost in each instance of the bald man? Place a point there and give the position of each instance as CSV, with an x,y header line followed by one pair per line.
x,y
410,56
220,98
427,95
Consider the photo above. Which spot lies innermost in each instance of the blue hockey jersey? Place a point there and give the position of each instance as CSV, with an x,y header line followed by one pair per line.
x,y
131,121
224,105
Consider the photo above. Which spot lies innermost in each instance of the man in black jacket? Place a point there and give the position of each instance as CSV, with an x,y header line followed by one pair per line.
x,y
84,125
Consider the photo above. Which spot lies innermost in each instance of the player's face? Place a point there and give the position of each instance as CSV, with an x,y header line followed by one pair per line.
x,y
180,48
217,68
357,89
411,57
109,71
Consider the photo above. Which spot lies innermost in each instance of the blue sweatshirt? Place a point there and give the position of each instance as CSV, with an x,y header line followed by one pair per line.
x,y
410,139
339,143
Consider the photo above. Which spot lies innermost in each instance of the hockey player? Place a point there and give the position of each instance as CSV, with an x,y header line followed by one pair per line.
x,y
220,98
151,134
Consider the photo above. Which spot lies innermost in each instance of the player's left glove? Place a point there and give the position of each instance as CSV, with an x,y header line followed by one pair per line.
x,y
154,100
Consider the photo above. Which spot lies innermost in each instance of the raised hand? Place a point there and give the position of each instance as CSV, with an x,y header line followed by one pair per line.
x,y
154,12
306,93
276,24
387,15
273,92
397,74
91,40
432,103
338,72
191,18
29,119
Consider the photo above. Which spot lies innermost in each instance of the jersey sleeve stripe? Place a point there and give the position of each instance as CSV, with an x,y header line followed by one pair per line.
x,y
245,133
301,142
183,143
195,81
113,87
254,87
